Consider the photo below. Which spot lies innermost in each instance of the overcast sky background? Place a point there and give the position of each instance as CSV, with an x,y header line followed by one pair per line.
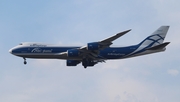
x,y
150,78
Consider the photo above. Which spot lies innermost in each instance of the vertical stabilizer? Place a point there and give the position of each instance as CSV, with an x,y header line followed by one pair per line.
x,y
155,38
153,42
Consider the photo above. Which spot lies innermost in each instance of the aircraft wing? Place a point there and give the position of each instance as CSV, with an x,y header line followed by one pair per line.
x,y
91,50
108,41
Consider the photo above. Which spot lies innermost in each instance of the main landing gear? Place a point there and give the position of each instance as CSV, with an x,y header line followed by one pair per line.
x,y
25,61
88,63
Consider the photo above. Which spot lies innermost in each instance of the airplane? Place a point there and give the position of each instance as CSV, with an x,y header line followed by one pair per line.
x,y
93,52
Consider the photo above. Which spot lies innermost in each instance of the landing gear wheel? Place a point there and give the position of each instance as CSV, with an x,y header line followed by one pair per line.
x,y
25,61
84,63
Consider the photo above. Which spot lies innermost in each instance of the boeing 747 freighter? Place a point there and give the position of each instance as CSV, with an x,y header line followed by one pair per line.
x,y
93,52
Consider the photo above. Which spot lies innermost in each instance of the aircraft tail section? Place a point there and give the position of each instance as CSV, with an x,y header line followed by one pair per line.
x,y
156,38
158,47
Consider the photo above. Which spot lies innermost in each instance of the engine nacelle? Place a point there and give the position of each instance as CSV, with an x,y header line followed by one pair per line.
x,y
73,53
72,62
93,46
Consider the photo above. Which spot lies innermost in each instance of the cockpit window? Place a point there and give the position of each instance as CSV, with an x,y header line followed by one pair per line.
x,y
20,44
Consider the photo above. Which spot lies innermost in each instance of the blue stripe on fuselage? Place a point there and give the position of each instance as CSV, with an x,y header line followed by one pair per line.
x,y
107,53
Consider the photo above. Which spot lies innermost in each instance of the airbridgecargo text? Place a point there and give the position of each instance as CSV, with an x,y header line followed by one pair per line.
x,y
115,54
39,50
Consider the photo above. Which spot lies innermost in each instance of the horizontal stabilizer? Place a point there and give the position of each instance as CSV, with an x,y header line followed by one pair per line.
x,y
161,46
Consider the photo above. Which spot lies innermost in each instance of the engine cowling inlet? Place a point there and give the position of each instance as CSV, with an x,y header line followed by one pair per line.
x,y
93,46
73,53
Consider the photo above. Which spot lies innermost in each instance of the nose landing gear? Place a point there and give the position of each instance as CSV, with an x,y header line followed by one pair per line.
x,y
25,61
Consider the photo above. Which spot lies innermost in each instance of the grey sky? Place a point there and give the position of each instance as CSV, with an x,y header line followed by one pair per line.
x,y
151,78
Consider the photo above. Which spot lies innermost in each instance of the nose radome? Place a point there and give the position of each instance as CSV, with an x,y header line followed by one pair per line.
x,y
10,51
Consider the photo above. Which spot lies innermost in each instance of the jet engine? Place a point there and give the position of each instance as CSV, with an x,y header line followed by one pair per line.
x,y
93,46
72,62
73,53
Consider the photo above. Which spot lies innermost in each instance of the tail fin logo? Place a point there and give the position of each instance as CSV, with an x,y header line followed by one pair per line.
x,y
156,38
153,40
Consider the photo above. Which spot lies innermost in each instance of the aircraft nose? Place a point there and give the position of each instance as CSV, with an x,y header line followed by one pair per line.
x,y
10,51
